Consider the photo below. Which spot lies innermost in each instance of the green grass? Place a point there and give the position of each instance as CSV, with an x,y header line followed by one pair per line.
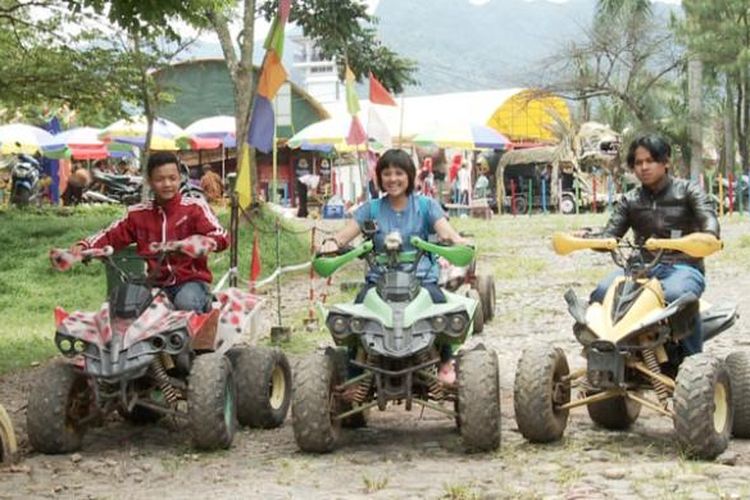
x,y
30,289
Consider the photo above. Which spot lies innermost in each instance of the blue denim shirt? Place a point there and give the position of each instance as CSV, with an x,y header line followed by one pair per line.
x,y
408,222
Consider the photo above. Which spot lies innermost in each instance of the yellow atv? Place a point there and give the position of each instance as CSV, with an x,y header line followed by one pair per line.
x,y
8,446
628,342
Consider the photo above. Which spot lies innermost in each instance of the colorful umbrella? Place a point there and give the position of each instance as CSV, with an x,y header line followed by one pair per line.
x,y
463,136
19,138
325,134
83,143
166,136
215,127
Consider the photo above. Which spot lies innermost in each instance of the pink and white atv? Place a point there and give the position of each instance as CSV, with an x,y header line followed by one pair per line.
x,y
141,357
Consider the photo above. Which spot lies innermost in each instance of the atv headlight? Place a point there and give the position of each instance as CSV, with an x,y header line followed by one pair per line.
x,y
339,324
439,323
357,325
68,345
457,323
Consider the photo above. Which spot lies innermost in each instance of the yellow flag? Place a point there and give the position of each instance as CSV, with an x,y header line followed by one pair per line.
x,y
244,181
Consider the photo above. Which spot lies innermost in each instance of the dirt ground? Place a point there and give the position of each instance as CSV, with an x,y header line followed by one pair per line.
x,y
413,454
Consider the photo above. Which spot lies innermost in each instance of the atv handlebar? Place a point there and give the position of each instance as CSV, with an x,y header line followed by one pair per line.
x,y
695,244
63,259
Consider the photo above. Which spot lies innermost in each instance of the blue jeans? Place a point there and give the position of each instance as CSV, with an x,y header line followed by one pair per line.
x,y
676,280
190,296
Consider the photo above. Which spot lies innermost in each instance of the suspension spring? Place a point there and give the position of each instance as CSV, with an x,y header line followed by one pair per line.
x,y
361,390
162,380
662,392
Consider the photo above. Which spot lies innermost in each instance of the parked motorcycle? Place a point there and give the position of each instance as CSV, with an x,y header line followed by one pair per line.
x,y
126,189
25,176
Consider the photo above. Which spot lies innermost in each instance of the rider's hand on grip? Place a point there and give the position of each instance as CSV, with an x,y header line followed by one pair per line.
x,y
194,246
62,259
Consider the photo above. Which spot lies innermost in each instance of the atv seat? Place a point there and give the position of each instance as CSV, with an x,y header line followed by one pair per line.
x,y
717,318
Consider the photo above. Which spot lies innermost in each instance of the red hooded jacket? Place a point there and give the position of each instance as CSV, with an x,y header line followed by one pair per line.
x,y
177,219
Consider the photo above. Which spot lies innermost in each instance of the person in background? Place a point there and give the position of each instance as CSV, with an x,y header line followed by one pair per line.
x,y
211,184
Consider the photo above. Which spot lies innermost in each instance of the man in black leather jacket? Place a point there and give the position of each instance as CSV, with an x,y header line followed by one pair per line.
x,y
663,207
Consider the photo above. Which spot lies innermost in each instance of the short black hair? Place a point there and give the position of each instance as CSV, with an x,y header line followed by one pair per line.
x,y
156,160
400,159
655,144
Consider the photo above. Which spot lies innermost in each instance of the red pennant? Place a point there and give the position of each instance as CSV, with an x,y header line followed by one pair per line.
x,y
255,261
357,134
378,93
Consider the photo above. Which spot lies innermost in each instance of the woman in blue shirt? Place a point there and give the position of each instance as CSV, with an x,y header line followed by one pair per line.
x,y
401,210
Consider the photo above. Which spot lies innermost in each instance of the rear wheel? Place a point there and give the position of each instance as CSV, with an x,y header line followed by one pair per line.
x,y
521,205
478,312
58,403
703,406
21,196
617,413
568,204
538,391
264,386
8,444
486,289
212,410
738,364
479,400
314,405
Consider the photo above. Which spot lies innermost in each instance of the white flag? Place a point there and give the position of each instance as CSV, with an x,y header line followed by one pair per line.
x,y
377,130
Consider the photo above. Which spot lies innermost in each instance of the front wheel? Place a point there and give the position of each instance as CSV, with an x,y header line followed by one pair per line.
x,y
479,400
539,390
8,443
314,405
264,386
703,406
58,403
738,364
212,410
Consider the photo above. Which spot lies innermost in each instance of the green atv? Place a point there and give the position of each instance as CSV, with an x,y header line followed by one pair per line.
x,y
389,351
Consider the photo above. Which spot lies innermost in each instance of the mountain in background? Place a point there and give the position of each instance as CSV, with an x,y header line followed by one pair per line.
x,y
459,46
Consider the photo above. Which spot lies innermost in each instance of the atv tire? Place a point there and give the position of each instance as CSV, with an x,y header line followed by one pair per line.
x,y
478,379
8,443
738,364
538,390
616,414
341,361
314,405
703,406
140,415
478,312
57,403
486,288
21,196
211,399
264,386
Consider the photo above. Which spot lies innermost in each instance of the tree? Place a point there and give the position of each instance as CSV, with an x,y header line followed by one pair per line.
x,y
720,34
342,29
44,67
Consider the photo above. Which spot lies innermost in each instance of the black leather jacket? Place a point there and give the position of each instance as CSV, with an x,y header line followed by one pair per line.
x,y
677,209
